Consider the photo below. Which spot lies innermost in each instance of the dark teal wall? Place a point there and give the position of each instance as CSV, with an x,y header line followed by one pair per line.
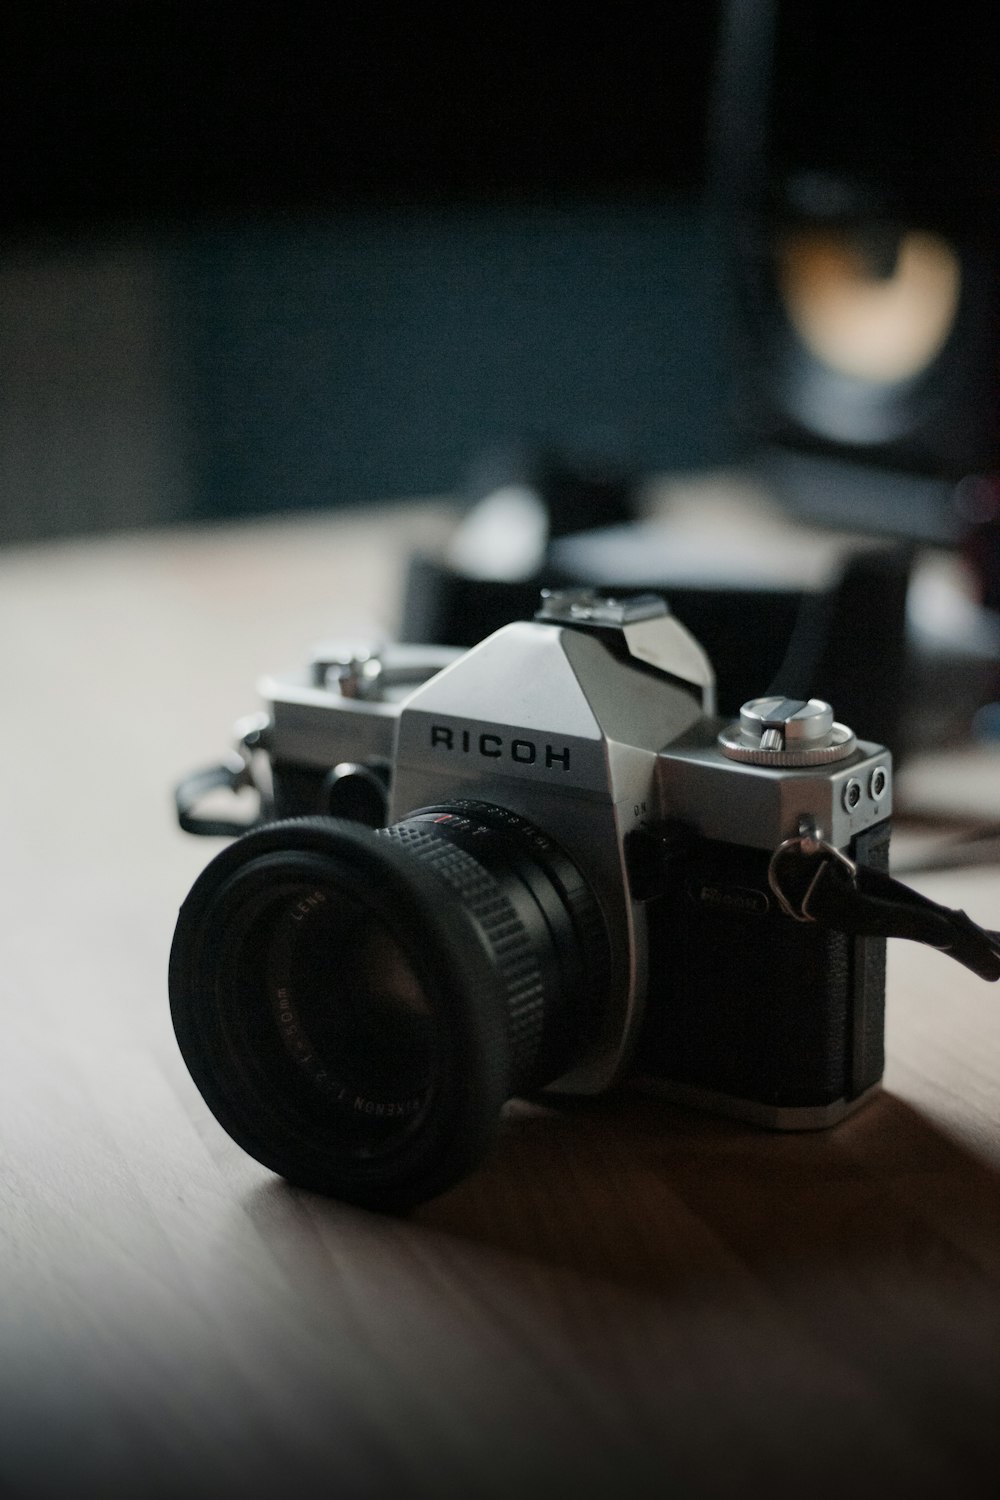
x,y
372,354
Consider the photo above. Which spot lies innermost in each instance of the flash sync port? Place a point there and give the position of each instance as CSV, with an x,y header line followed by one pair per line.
x,y
878,784
852,794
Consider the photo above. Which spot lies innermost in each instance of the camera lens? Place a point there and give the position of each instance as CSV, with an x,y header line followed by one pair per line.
x,y
355,1007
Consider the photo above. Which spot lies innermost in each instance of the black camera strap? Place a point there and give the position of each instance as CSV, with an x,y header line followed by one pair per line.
x,y
814,882
230,776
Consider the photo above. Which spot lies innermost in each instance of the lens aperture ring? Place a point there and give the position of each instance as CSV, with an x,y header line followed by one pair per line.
x,y
510,944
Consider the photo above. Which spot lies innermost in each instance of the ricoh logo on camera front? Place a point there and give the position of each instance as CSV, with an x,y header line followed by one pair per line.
x,y
491,746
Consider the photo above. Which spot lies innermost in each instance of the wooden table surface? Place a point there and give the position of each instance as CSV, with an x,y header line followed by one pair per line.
x,y
626,1300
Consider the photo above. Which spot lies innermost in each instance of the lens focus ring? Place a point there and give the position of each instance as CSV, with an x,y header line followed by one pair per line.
x,y
510,945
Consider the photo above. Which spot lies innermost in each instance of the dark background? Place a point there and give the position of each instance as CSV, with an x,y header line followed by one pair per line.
x,y
270,257
314,256
111,109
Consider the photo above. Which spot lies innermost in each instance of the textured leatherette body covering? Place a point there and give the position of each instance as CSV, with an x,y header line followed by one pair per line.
x,y
746,1002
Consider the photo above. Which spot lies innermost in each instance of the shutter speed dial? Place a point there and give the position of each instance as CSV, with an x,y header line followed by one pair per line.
x,y
778,731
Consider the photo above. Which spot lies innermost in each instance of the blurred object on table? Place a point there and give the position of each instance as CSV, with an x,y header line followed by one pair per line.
x,y
855,193
889,633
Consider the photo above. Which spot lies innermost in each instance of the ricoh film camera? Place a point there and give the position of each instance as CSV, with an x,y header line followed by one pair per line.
x,y
540,864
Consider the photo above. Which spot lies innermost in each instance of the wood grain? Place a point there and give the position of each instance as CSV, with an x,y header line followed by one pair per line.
x,y
627,1299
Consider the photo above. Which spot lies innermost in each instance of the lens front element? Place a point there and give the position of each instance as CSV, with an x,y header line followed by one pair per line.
x,y
350,1010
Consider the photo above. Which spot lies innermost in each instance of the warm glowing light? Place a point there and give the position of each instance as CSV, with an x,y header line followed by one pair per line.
x,y
882,329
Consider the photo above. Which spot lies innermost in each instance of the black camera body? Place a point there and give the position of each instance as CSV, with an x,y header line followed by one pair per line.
x,y
544,865
751,1014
